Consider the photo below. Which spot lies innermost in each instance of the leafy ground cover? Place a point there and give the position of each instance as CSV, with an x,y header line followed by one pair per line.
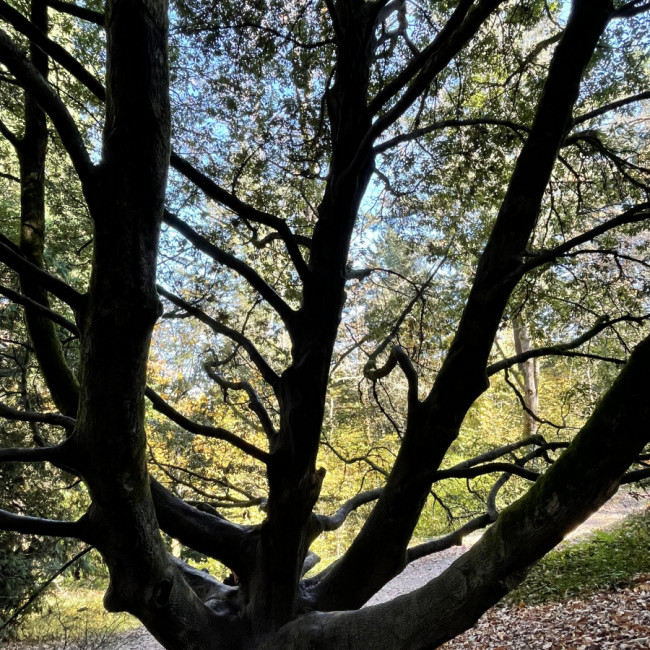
x,y
596,596
606,560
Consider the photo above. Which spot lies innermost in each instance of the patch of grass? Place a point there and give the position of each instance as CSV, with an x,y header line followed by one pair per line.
x,y
73,616
604,561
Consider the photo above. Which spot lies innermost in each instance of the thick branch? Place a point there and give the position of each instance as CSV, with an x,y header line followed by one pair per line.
x,y
13,258
214,536
29,416
51,48
78,12
461,27
577,484
418,63
38,526
631,9
204,430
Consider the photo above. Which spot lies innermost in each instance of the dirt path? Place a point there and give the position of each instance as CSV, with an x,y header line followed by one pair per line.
x,y
418,573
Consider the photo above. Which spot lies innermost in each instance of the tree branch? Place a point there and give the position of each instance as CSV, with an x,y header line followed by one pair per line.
x,y
561,348
30,416
399,357
329,523
13,258
51,48
445,124
28,303
500,451
243,210
32,80
13,139
632,9
249,274
459,29
418,63
610,107
254,403
38,526
78,12
447,541
638,213
204,430
268,374
208,534
488,468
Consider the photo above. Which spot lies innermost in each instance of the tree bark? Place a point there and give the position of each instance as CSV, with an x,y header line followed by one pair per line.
x,y
32,149
582,479
530,374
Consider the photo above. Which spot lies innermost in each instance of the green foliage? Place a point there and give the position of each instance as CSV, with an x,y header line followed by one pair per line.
x,y
604,561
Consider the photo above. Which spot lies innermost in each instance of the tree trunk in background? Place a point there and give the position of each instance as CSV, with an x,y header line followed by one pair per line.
x,y
530,372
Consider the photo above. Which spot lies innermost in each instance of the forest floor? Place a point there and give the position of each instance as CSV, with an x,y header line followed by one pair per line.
x,y
613,619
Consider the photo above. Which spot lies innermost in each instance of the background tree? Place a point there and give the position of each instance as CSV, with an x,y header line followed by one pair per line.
x,y
368,190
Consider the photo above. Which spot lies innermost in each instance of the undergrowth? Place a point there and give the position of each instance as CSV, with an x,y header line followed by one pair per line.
x,y
605,560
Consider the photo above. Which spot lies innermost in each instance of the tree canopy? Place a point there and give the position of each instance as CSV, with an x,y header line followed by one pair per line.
x,y
261,262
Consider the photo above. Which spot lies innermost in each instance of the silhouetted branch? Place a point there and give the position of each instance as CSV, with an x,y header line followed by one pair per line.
x,y
38,526
329,523
204,430
254,403
611,107
78,12
28,303
631,9
633,215
561,348
399,357
30,416
447,541
519,129
13,258
29,77
30,454
268,374
222,257
211,535
243,210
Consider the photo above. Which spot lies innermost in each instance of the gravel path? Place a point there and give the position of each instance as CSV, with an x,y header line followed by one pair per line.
x,y
418,573
414,575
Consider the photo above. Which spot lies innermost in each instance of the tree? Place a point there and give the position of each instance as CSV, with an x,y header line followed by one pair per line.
x,y
467,126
